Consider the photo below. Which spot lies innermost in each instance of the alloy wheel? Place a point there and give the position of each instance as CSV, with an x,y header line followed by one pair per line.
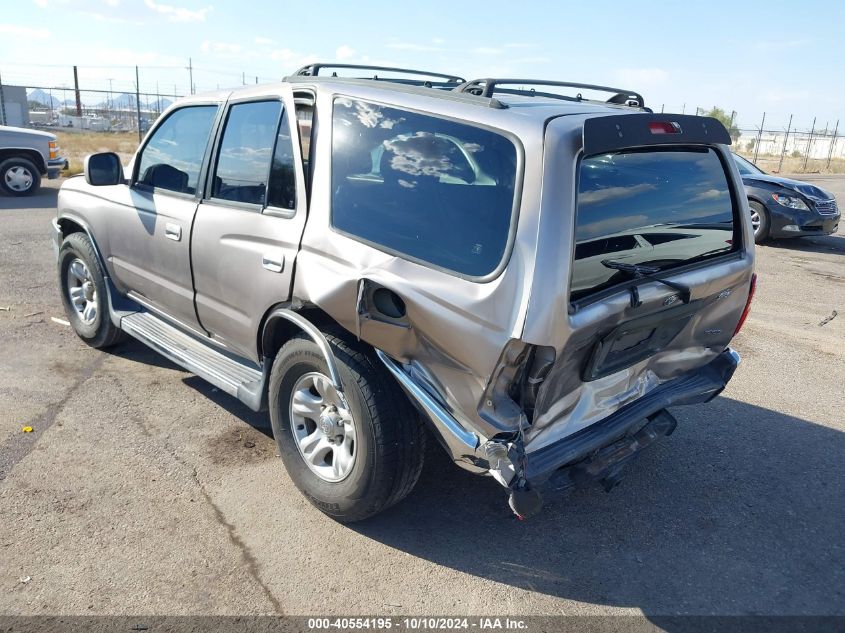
x,y
755,220
82,291
322,427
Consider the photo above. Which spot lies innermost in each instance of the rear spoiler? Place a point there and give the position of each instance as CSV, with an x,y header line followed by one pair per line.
x,y
606,134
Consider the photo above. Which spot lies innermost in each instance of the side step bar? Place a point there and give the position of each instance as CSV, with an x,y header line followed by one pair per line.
x,y
237,377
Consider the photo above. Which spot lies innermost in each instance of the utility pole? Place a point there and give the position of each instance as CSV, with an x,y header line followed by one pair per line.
x,y
110,101
783,151
759,136
2,104
76,90
809,144
190,76
138,104
832,143
256,80
243,78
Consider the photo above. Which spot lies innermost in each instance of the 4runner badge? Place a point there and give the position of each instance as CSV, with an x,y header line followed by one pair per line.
x,y
670,300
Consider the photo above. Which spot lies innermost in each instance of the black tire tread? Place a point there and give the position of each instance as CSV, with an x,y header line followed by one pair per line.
x,y
402,436
36,176
399,436
764,217
108,335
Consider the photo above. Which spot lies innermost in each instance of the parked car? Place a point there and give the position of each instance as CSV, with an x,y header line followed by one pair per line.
x,y
26,156
423,257
782,207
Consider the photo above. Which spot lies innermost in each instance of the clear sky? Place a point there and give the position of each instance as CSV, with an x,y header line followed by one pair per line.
x,y
778,57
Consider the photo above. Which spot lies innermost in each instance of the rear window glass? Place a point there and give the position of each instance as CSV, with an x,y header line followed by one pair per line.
x,y
433,190
656,208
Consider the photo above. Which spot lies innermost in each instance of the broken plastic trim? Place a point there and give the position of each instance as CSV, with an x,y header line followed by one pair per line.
x,y
461,444
508,400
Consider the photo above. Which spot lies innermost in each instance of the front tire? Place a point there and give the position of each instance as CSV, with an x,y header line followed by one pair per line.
x,y
84,292
351,464
19,177
759,221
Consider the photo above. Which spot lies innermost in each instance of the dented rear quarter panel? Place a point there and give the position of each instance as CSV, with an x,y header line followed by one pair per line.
x,y
458,326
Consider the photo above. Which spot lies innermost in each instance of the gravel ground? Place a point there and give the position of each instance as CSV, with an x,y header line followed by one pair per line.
x,y
142,490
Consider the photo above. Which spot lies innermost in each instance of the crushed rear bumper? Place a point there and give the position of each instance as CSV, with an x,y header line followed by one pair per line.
x,y
701,385
601,451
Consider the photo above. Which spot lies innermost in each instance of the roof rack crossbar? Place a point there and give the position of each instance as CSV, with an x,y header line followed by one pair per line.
x,y
313,70
486,88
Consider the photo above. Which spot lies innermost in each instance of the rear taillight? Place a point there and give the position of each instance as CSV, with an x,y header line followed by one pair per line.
x,y
664,127
747,304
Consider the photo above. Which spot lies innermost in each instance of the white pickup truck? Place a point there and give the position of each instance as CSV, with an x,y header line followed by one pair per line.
x,y
26,156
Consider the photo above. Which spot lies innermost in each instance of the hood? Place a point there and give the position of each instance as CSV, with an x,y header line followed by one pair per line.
x,y
804,188
23,130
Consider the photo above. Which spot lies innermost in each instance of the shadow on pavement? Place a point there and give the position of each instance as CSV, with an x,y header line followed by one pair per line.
x,y
260,421
45,198
822,244
134,350
739,512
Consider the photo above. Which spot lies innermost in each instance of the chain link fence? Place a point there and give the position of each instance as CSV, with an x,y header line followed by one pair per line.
x,y
103,99
130,99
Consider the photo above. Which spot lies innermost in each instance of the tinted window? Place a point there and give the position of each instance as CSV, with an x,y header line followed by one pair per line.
x,y
243,161
282,193
434,190
173,156
659,208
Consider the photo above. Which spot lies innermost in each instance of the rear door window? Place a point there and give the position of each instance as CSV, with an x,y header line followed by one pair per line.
x,y
243,162
429,189
658,208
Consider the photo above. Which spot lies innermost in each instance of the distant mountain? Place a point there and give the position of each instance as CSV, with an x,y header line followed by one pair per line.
x,y
43,98
126,101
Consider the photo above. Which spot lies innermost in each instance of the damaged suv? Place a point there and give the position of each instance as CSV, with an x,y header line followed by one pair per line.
x,y
531,275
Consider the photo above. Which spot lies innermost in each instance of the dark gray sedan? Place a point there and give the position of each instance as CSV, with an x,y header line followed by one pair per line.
x,y
782,207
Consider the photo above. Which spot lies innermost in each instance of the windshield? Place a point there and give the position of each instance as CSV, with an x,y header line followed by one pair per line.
x,y
746,167
656,208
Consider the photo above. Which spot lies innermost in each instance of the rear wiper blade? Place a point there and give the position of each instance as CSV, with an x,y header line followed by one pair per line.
x,y
640,271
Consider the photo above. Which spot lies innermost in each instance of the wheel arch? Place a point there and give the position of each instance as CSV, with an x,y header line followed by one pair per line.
x,y
755,198
282,323
68,225
32,155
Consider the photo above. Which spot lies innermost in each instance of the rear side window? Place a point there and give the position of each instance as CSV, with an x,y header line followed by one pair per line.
x,y
432,190
243,163
656,208
172,157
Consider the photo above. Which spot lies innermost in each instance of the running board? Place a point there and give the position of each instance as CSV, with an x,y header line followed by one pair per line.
x,y
238,378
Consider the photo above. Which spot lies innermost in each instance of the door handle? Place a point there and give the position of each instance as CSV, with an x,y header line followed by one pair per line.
x,y
273,263
173,232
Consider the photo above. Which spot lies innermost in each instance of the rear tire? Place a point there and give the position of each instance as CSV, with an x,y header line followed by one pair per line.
x,y
759,221
84,292
388,440
19,177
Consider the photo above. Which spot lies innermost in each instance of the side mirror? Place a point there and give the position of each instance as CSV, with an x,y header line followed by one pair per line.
x,y
103,169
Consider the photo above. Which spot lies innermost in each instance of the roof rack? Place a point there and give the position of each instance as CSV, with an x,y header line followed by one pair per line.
x,y
445,81
487,87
